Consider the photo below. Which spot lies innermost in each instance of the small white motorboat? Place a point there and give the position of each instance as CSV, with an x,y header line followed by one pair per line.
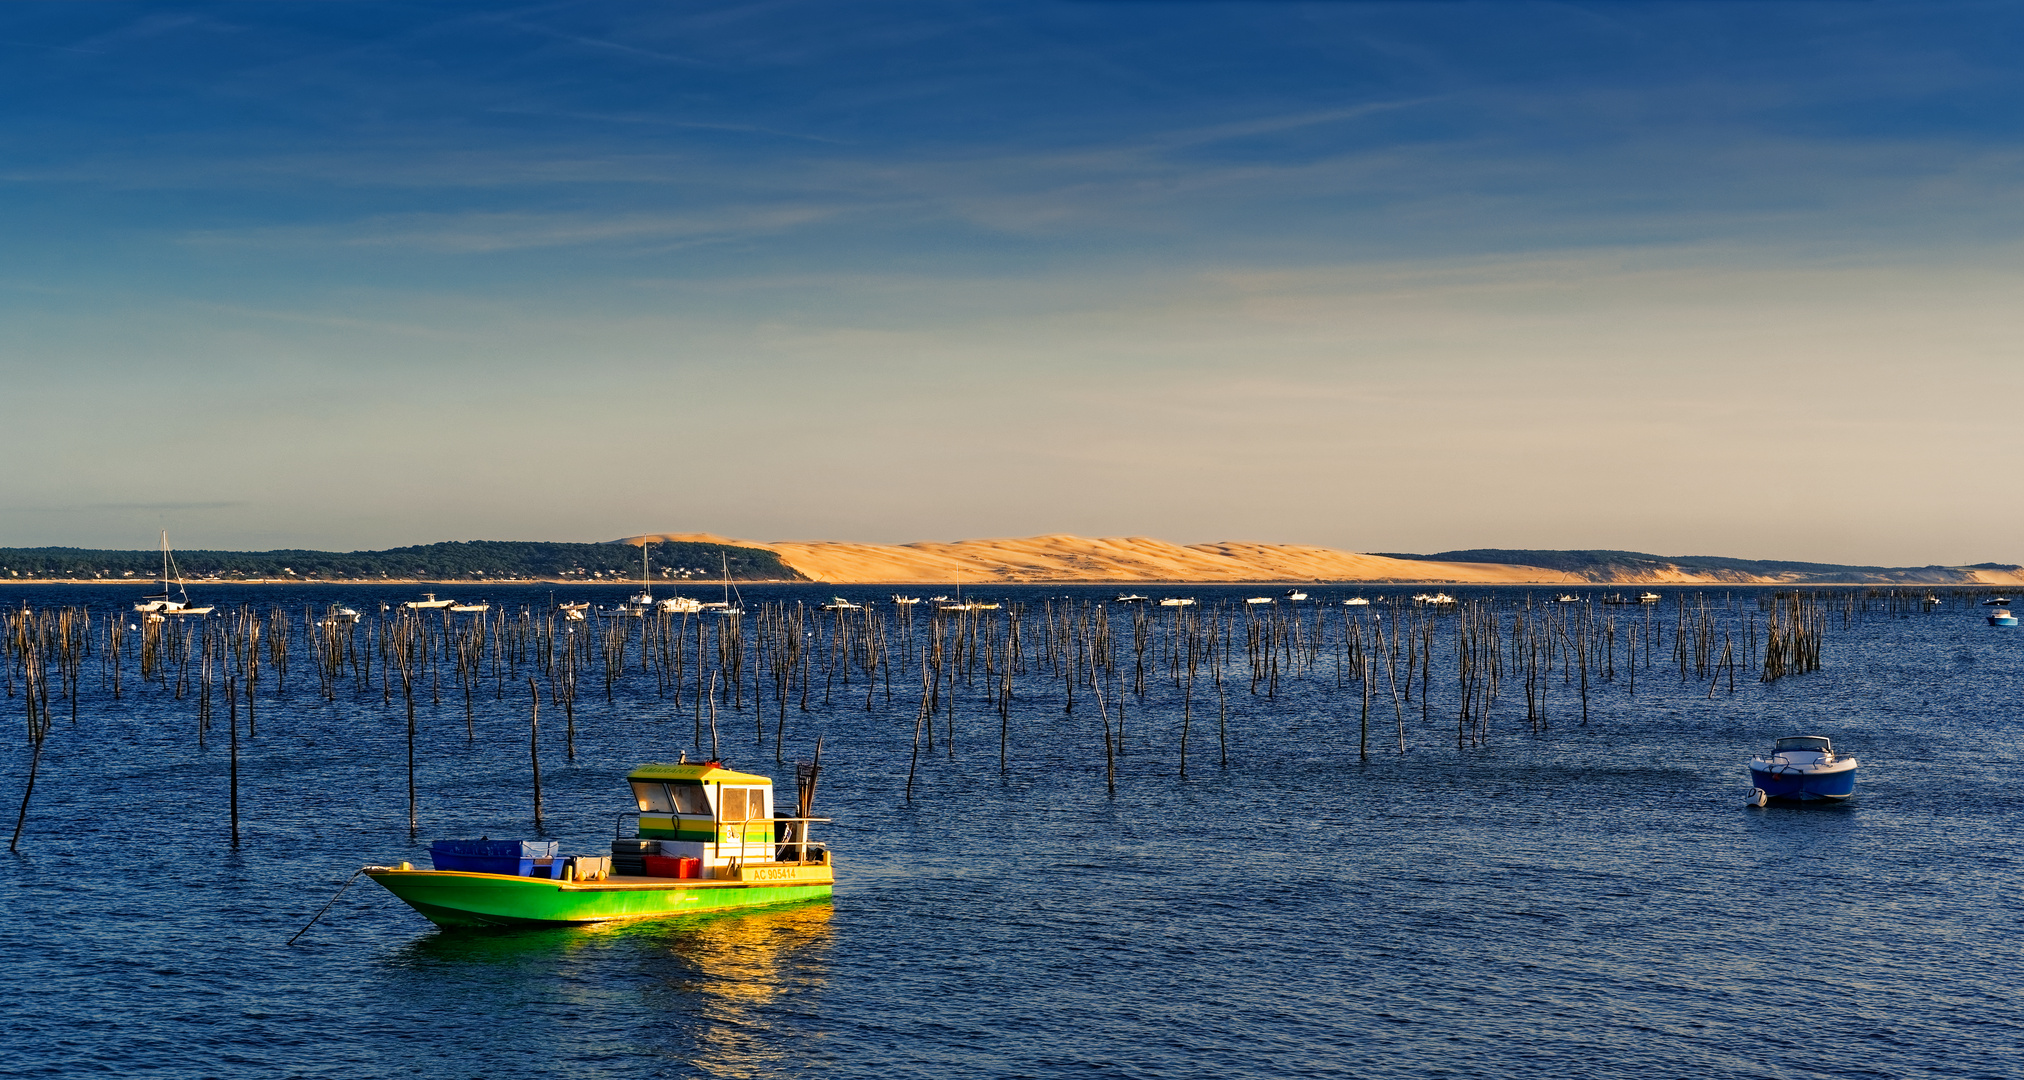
x,y
470,609
1567,598
1295,595
1439,599
1131,598
1802,767
2001,617
1259,600
1357,601
1177,601
905,601
428,601
679,605
1648,598
838,603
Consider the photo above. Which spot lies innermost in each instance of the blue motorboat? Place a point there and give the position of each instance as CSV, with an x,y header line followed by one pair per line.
x,y
1802,767
2001,617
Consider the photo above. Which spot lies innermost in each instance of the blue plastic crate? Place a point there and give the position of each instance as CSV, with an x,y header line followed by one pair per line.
x,y
515,857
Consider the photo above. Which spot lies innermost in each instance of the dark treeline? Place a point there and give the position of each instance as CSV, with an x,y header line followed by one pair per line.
x,y
431,562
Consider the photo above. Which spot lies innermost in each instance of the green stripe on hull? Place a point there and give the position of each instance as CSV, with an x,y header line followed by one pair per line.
x,y
456,899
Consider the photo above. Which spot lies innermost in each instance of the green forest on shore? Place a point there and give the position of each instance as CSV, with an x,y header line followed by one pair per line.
x,y
471,560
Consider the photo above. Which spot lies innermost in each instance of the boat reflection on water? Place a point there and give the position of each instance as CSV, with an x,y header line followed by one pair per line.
x,y
726,993
731,994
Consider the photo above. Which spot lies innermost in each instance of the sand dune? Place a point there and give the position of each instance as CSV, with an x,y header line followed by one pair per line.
x,y
1123,559
1061,557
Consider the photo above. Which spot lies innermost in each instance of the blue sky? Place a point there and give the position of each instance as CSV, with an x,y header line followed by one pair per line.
x,y
1727,278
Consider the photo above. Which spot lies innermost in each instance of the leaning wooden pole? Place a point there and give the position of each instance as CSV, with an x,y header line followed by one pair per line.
x,y
38,728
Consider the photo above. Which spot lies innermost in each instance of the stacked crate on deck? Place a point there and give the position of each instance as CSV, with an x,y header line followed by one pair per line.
x,y
629,857
520,858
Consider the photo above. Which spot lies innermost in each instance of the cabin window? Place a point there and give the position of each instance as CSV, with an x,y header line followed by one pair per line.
x,y
652,797
690,799
741,804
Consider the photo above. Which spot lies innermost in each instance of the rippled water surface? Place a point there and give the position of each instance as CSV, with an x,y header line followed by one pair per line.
x,y
1582,901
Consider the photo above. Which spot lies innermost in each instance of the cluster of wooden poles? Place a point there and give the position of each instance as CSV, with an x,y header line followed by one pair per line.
x,y
1103,654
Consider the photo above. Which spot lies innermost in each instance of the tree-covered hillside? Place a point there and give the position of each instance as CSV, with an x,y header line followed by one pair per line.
x,y
460,561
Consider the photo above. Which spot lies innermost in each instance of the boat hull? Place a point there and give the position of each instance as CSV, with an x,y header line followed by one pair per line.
x,y
1785,782
457,898
2002,620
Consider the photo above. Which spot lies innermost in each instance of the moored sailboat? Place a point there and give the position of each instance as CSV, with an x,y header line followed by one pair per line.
x,y
165,603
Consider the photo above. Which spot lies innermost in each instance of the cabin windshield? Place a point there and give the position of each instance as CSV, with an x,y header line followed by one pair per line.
x,y
690,800
652,797
1804,742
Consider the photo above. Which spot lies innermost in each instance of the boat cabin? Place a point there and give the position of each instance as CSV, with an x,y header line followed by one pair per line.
x,y
701,801
704,811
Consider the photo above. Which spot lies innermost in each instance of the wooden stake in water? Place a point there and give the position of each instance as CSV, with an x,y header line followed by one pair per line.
x,y
232,706
534,743
38,729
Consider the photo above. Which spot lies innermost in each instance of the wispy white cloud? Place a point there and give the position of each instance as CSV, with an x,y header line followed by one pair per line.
x,y
483,233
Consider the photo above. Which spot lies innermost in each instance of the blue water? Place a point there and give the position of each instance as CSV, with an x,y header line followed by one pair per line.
x,y
1589,901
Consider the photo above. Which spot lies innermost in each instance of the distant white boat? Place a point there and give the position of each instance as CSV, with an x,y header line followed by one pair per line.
x,y
1131,598
427,601
1255,600
905,601
1177,601
1648,598
732,605
1295,595
1439,599
838,603
470,609
642,603
1567,598
162,604
338,615
1356,601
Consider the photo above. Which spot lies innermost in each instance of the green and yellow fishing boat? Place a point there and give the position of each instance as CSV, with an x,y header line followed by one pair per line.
x,y
707,839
